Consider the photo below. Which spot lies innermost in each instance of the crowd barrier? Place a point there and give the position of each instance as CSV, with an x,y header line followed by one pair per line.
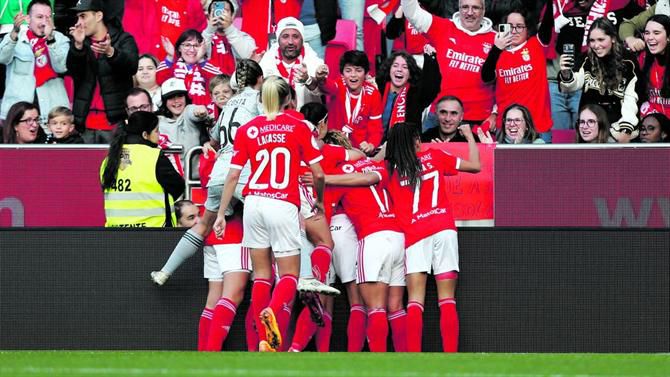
x,y
552,185
523,290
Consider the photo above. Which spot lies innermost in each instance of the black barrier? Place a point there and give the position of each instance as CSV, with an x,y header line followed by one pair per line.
x,y
537,290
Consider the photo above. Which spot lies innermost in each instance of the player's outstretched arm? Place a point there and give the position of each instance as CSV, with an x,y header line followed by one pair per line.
x,y
472,164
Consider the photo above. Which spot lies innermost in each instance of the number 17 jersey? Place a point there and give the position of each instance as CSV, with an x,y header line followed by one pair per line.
x,y
425,209
275,149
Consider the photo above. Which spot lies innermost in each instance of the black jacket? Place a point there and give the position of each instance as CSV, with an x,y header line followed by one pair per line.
x,y
326,17
115,76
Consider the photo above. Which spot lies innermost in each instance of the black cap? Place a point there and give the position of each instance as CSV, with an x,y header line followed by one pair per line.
x,y
86,5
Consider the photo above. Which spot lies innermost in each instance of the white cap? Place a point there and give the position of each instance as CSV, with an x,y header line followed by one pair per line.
x,y
173,85
290,23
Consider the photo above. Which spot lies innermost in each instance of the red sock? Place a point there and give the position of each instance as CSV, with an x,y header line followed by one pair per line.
x,y
321,256
449,324
304,330
414,326
284,293
260,298
250,329
398,320
224,314
284,320
203,328
356,328
323,333
378,330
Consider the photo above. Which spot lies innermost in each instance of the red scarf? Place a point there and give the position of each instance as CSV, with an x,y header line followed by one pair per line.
x,y
289,76
222,54
399,109
43,71
598,10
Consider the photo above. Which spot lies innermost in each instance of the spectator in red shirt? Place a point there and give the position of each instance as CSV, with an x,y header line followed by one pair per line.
x,y
356,104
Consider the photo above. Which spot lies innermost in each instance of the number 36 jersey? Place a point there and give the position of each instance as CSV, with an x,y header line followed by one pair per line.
x,y
425,209
275,149
239,110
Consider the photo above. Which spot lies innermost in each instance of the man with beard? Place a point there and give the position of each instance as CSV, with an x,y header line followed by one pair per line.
x,y
462,43
572,23
293,60
34,56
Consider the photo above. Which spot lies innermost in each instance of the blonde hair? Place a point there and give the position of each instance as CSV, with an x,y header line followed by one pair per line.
x,y
61,111
218,80
274,94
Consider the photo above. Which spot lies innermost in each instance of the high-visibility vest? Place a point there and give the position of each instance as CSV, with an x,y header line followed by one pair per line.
x,y
136,199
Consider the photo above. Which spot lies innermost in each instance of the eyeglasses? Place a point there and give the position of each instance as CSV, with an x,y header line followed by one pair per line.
x,y
473,8
518,28
145,107
588,122
30,121
515,121
190,46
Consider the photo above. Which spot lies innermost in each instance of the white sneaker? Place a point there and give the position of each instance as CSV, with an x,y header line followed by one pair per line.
x,y
313,285
159,277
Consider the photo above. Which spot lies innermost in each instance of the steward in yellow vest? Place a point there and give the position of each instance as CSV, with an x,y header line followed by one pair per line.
x,y
139,183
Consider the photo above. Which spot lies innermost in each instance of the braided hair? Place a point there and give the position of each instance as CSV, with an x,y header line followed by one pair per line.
x,y
401,151
336,137
247,73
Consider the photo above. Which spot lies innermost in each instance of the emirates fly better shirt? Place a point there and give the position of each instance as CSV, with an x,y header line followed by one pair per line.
x,y
275,149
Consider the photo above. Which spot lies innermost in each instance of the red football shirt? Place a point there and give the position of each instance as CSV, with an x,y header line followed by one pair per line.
x,y
424,210
275,149
368,207
361,119
233,234
522,78
461,56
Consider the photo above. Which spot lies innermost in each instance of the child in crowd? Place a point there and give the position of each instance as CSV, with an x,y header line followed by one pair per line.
x,y
61,126
220,91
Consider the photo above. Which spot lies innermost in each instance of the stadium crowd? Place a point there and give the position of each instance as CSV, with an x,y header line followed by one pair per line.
x,y
249,84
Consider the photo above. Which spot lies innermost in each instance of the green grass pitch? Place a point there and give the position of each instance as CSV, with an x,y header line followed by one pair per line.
x,y
150,363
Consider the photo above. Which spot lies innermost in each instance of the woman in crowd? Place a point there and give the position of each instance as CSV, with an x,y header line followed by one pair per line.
x,y
518,127
186,212
608,78
139,183
655,82
655,128
517,64
181,122
237,111
406,89
22,125
593,125
190,64
145,78
274,144
425,215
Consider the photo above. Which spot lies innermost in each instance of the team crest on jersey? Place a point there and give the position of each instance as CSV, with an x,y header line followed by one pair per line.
x,y
252,132
348,168
487,47
525,55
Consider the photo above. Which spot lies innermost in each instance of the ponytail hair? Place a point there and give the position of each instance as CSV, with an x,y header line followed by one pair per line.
x,y
247,73
138,123
274,94
401,152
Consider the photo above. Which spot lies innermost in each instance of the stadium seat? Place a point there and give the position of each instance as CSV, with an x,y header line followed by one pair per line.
x,y
344,40
563,136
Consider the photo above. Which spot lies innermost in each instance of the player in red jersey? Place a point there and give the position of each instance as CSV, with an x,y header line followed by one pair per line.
x,y
424,213
274,144
357,108
380,259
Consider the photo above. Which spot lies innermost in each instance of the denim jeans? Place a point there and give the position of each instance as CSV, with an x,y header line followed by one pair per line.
x,y
312,36
564,107
354,10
